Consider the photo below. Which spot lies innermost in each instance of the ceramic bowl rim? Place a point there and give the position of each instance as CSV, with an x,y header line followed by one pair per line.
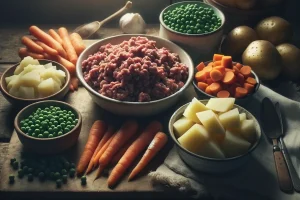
x,y
192,35
94,92
66,84
17,119
211,96
178,111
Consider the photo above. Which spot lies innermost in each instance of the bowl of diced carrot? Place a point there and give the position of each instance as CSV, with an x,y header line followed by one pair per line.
x,y
222,78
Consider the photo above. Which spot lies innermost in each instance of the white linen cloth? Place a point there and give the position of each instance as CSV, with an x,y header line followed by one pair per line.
x,y
257,179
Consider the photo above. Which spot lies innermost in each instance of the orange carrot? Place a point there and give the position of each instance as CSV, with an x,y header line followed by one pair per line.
x,y
31,45
240,78
23,52
47,49
216,75
77,43
246,71
202,86
251,80
55,36
215,87
47,39
159,140
107,135
210,64
236,69
67,64
128,129
227,61
217,63
249,87
200,66
75,82
221,69
209,81
71,53
121,152
96,133
217,57
238,65
133,151
229,77
240,92
200,76
208,90
223,94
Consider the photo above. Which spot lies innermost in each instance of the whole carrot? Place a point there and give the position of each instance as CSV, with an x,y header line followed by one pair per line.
x,y
31,45
55,35
77,43
107,135
72,56
23,52
155,146
128,129
96,133
70,66
133,151
47,49
47,39
74,81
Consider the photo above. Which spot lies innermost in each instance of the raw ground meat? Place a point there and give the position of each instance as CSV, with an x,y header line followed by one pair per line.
x,y
135,70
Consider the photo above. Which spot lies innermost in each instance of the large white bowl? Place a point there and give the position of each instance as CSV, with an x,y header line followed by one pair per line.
x,y
212,165
199,46
135,108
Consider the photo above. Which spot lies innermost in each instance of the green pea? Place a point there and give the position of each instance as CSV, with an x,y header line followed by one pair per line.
x,y
63,171
23,129
41,176
12,160
46,134
55,129
68,123
50,130
189,31
34,135
20,173
59,133
11,178
57,175
30,177
58,183
15,165
40,136
83,180
72,172
66,130
25,169
22,122
50,136
37,131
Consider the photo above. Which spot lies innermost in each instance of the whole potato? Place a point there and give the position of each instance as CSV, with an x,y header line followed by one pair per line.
x,y
264,59
290,56
237,41
274,29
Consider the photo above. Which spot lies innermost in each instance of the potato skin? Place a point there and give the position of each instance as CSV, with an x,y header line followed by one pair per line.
x,y
274,29
237,41
290,56
264,59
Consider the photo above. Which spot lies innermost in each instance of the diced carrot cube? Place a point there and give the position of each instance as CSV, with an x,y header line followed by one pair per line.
x,y
200,66
251,80
217,57
217,63
249,87
227,61
200,76
202,86
209,81
239,65
208,91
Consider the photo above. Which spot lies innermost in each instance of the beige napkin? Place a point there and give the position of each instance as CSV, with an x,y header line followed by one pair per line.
x,y
256,179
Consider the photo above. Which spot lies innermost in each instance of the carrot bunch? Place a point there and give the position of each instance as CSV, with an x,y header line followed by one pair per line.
x,y
224,78
57,46
120,149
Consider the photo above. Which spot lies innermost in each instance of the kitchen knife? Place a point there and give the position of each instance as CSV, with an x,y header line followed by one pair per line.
x,y
272,129
294,175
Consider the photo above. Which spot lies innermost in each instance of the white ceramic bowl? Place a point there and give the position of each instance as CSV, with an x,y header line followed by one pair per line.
x,y
199,46
212,165
135,108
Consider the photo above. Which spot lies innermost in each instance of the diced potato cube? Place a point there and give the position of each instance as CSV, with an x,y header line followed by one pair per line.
x,y
220,104
15,81
211,150
46,87
9,78
61,75
230,119
26,61
243,117
56,87
27,92
248,130
30,79
194,107
194,138
14,91
51,73
49,66
233,145
211,122
181,126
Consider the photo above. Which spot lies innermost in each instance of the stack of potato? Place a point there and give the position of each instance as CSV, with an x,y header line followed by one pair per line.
x,y
215,130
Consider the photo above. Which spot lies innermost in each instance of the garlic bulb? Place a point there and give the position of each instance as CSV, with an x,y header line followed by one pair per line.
x,y
132,23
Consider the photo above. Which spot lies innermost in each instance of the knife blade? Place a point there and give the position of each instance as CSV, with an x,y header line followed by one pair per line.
x,y
272,129
294,175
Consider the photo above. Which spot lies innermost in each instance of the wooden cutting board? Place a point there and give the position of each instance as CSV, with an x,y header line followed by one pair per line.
x,y
90,112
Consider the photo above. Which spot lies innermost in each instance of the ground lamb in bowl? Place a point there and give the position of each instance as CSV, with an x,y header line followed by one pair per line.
x,y
135,70
135,74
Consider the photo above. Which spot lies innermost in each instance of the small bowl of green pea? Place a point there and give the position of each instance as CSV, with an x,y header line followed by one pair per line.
x,y
48,127
195,26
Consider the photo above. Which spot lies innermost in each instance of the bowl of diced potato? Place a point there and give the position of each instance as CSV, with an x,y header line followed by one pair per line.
x,y
33,80
215,135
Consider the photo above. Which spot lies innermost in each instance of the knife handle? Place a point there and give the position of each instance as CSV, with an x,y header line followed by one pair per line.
x,y
284,179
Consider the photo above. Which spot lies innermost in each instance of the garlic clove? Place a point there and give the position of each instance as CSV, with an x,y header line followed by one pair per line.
x,y
132,23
